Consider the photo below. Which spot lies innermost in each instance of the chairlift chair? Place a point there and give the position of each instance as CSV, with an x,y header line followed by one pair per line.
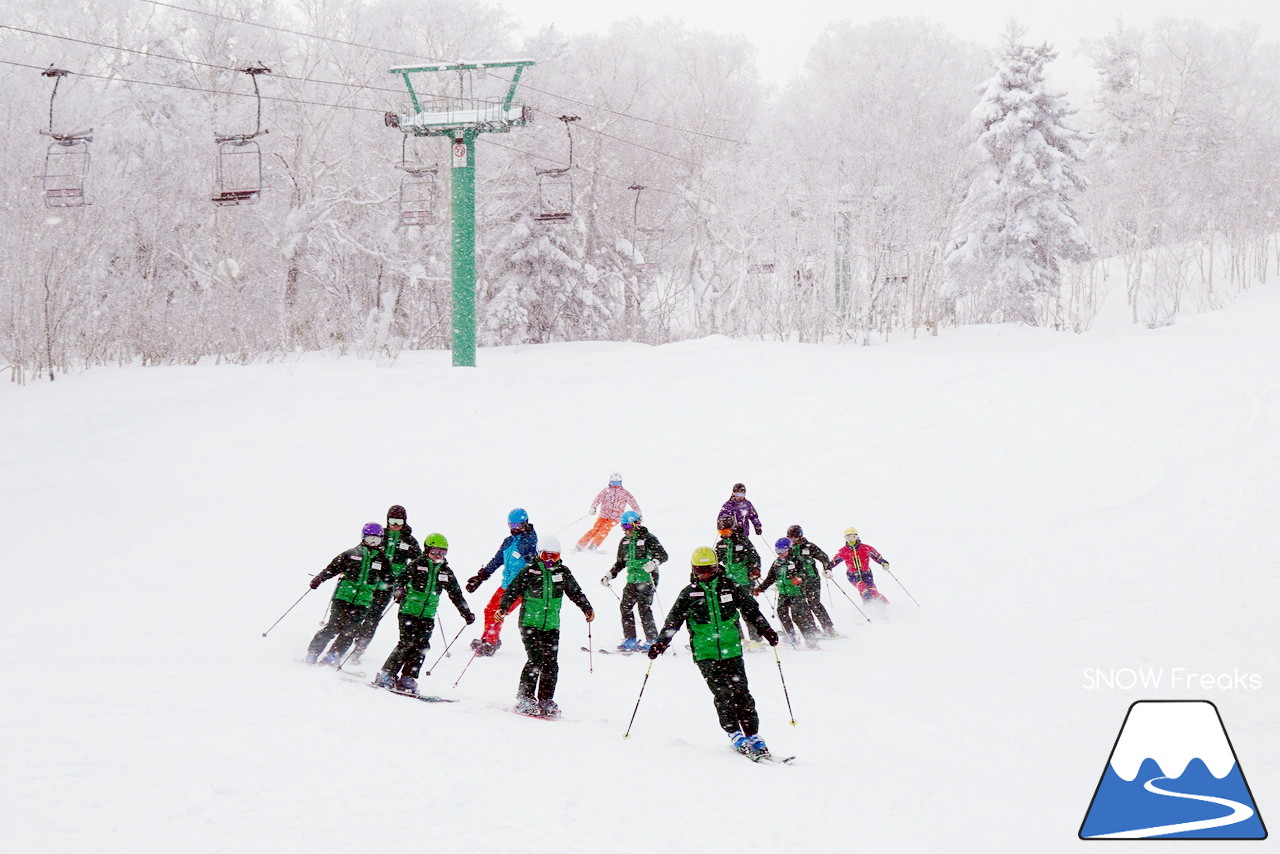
x,y
555,195
239,158
66,162
239,171
417,200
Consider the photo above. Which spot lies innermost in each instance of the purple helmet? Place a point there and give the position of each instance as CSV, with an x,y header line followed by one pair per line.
x,y
373,529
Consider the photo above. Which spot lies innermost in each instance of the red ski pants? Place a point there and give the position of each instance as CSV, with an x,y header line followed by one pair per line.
x,y
595,537
492,627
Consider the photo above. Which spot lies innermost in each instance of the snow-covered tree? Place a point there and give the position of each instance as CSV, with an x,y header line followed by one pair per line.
x,y
1017,225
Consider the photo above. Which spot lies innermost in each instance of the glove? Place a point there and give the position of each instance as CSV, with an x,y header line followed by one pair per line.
x,y
314,582
398,595
826,573
753,573
759,532
474,582
771,636
469,617
589,614
797,581
499,615
658,648
605,579
651,566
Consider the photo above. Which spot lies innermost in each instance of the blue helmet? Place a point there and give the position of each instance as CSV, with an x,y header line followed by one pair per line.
x,y
373,529
782,545
517,516
631,517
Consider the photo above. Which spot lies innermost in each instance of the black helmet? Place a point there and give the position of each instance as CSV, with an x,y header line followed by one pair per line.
x,y
795,532
397,512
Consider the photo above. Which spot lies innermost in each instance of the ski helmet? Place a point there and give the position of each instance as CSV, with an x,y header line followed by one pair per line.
x,y
738,487
724,523
395,511
435,541
615,479
795,532
548,543
851,534
704,556
373,529
517,516
631,517
782,545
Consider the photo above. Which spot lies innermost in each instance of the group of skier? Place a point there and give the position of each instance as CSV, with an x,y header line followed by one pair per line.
x,y
390,566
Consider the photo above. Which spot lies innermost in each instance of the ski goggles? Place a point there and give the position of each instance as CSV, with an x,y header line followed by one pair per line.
x,y
436,552
395,523
549,557
739,495
724,532
627,526
372,540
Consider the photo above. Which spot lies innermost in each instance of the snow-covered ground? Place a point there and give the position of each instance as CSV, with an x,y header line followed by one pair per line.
x,y
1063,507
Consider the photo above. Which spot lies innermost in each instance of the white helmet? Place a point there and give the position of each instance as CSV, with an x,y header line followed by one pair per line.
x,y
548,543
615,478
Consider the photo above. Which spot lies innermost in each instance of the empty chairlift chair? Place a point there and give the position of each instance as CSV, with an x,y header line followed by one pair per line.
x,y
239,159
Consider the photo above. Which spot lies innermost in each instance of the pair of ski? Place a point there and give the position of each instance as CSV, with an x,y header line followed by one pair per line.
x,y
768,757
426,698
622,651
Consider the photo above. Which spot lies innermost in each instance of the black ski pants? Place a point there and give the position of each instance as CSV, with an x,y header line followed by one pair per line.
x,y
344,623
640,598
415,639
364,635
735,707
813,594
542,670
793,613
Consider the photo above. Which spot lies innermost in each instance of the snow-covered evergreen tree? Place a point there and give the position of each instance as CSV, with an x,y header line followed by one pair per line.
x,y
1016,225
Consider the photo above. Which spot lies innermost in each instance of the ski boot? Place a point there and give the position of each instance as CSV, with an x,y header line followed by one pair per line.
x,y
629,645
311,658
332,659
528,706
407,684
643,646
548,709
740,742
756,747
384,680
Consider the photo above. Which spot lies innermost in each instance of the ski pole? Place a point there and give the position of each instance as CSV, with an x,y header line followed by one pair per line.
x,y
904,590
574,522
356,645
591,652
327,608
627,734
465,666
446,649
784,686
851,602
286,613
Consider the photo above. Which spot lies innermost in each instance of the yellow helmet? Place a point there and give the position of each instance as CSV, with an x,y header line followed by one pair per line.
x,y
851,534
704,556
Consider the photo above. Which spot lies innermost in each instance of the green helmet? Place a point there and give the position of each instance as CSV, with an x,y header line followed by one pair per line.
x,y
435,541
704,556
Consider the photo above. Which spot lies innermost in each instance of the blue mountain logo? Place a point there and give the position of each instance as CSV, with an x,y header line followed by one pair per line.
x,y
1173,774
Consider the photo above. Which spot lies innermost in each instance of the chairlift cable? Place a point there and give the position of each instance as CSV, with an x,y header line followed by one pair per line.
x,y
435,60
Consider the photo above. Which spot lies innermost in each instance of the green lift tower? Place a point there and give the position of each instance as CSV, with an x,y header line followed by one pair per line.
x,y
461,116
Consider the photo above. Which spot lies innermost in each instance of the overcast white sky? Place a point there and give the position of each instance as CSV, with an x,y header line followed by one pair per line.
x,y
783,30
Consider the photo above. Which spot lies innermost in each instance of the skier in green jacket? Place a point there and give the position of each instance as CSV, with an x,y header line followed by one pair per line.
x,y
363,569
711,605
542,586
741,563
400,548
418,590
640,554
